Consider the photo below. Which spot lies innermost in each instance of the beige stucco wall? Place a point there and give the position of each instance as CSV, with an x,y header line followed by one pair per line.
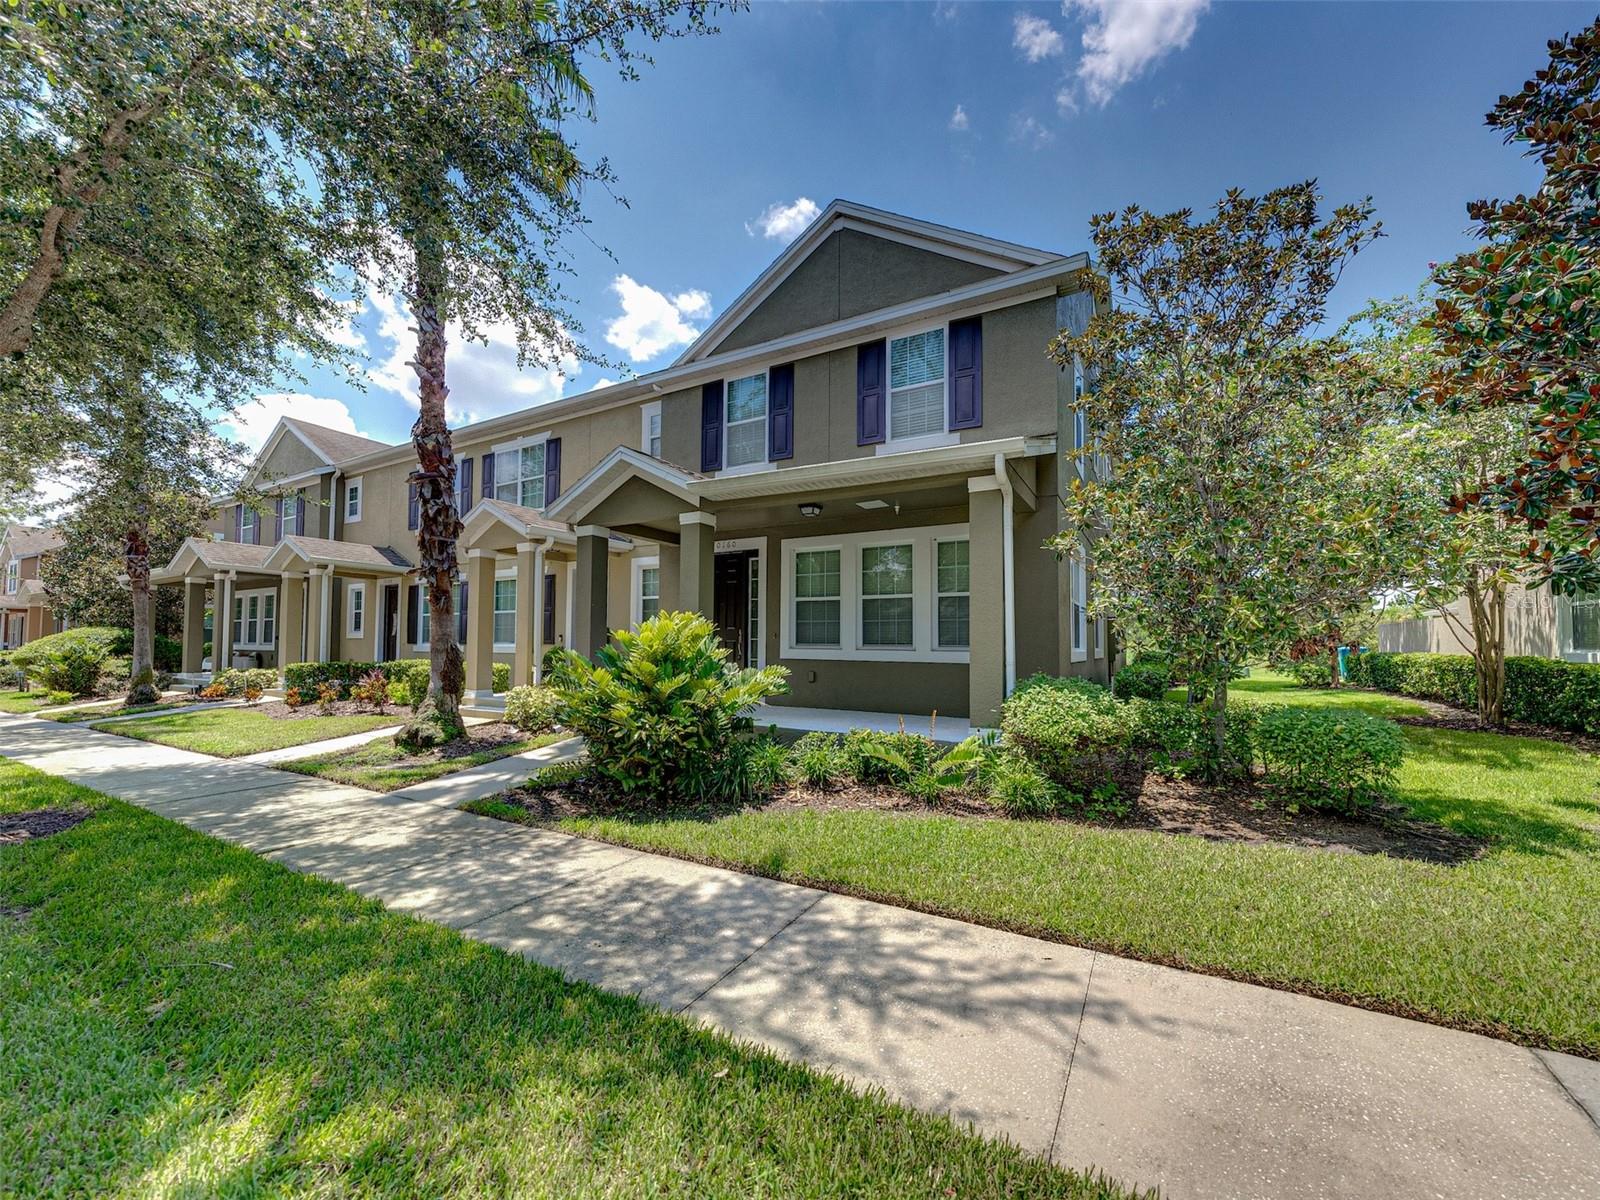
x,y
289,457
1530,628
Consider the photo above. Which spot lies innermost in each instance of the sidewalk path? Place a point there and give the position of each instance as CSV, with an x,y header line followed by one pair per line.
x,y
1201,1086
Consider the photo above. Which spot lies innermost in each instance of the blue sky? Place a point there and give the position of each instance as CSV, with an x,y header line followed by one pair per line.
x,y
1014,120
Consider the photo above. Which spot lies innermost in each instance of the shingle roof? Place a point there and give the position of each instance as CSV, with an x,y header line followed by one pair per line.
x,y
531,517
335,444
229,555
348,552
27,540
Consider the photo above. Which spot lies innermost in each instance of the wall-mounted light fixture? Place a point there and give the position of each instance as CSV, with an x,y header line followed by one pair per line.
x,y
810,510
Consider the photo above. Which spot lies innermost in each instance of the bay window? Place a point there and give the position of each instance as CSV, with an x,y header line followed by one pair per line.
x,y
519,475
917,384
745,421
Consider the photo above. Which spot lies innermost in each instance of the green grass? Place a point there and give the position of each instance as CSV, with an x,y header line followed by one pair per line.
x,y
80,715
1509,942
378,765
231,732
1270,687
183,1018
18,703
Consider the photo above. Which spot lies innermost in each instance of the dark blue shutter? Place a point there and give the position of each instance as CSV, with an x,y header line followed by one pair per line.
x,y
299,512
552,471
780,412
872,361
413,508
238,522
464,486
488,477
277,521
413,614
966,373
549,611
461,616
711,426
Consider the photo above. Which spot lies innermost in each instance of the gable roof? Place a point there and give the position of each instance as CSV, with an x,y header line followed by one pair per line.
x,y
335,445
1002,256
25,541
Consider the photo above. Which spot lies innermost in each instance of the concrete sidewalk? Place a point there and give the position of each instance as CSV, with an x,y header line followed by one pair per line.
x,y
1200,1086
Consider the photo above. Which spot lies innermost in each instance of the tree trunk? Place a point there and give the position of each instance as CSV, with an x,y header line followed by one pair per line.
x,y
1334,678
438,719
1219,724
1487,605
142,673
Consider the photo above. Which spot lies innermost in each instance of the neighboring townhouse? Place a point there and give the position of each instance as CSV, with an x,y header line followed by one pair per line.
x,y
853,471
1539,623
25,611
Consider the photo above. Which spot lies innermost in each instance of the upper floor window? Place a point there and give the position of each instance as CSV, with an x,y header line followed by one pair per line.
x,y
247,523
13,577
745,421
352,499
519,475
916,384
650,430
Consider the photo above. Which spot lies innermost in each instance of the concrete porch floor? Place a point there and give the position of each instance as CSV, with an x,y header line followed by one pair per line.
x,y
842,720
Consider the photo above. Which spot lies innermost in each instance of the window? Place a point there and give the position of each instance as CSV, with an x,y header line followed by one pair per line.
x,y
505,612
886,616
753,649
13,574
356,610
816,598
352,499
519,475
255,620
1582,642
745,421
916,385
1080,610
424,619
953,587
247,523
650,431
649,592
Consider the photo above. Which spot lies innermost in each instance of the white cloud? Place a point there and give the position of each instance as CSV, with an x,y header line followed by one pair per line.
x,y
959,121
1035,38
253,421
944,11
785,222
1031,132
342,329
1123,37
652,321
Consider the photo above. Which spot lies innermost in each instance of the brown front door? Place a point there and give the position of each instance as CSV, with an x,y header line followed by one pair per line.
x,y
391,622
730,604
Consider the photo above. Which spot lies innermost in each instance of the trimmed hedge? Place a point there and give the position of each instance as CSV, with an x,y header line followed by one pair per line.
x,y
410,673
1541,691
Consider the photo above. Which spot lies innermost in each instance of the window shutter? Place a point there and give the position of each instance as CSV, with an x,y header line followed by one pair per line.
x,y
549,611
238,522
780,412
488,476
299,512
872,362
277,520
413,509
711,427
413,614
464,486
552,470
461,616
966,373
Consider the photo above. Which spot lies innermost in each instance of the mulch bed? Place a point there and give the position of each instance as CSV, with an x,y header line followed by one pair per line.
x,y
1242,812
16,828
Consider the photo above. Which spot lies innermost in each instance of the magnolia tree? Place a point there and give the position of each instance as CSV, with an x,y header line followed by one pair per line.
x,y
1518,320
1225,421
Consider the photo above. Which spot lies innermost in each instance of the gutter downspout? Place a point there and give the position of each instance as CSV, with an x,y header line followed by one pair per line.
x,y
1008,557
537,614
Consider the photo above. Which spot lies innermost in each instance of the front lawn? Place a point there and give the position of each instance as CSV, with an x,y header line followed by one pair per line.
x,y
1270,687
182,1017
383,766
18,703
1508,942
232,732
101,713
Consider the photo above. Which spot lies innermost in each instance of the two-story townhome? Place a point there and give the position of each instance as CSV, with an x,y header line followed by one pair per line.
x,y
853,471
25,611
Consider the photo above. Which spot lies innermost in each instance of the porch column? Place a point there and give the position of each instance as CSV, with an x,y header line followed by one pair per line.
x,y
697,560
480,625
986,673
589,631
194,624
325,616
402,618
317,583
291,620
530,613
222,623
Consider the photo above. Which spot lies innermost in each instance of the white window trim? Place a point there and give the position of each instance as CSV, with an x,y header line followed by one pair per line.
x,y
500,576
764,463
572,610
1564,635
636,587
646,411
924,610
938,595
247,526
422,600
1079,599
13,577
361,499
499,448
923,441
351,591
241,599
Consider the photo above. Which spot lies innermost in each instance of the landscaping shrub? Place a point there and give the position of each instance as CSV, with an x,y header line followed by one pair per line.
x,y
874,757
12,678
114,674
500,674
1329,758
936,773
665,716
1541,691
168,654
328,694
408,680
819,760
1019,789
373,689
1148,679
532,709
1310,672
766,766
294,698
310,676
1070,729
237,681
71,661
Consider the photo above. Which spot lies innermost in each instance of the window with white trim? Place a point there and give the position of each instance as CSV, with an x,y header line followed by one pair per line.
x,y
1080,606
255,619
505,612
519,475
649,592
953,591
13,577
886,608
753,646
247,523
1583,627
355,609
424,616
352,500
650,428
744,426
917,384
817,598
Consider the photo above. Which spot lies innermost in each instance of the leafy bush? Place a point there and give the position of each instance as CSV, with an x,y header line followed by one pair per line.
x,y
1019,789
766,765
1541,691
500,677
875,757
1148,679
72,661
532,709
372,689
168,653
328,693
12,678
1310,672
1067,728
237,681
932,777
252,694
1329,758
409,674
213,691
294,698
665,716
819,760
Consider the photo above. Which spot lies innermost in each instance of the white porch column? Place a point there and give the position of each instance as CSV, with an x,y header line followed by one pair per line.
x,y
291,621
480,626
527,667
222,622
194,624
697,558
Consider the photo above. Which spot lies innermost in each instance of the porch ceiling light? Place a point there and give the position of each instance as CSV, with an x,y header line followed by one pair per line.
x,y
810,509
872,504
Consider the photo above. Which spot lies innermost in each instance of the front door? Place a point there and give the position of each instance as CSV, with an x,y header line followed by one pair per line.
x,y
389,624
730,604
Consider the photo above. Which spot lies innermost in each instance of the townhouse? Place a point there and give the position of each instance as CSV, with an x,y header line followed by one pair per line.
x,y
25,612
853,471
